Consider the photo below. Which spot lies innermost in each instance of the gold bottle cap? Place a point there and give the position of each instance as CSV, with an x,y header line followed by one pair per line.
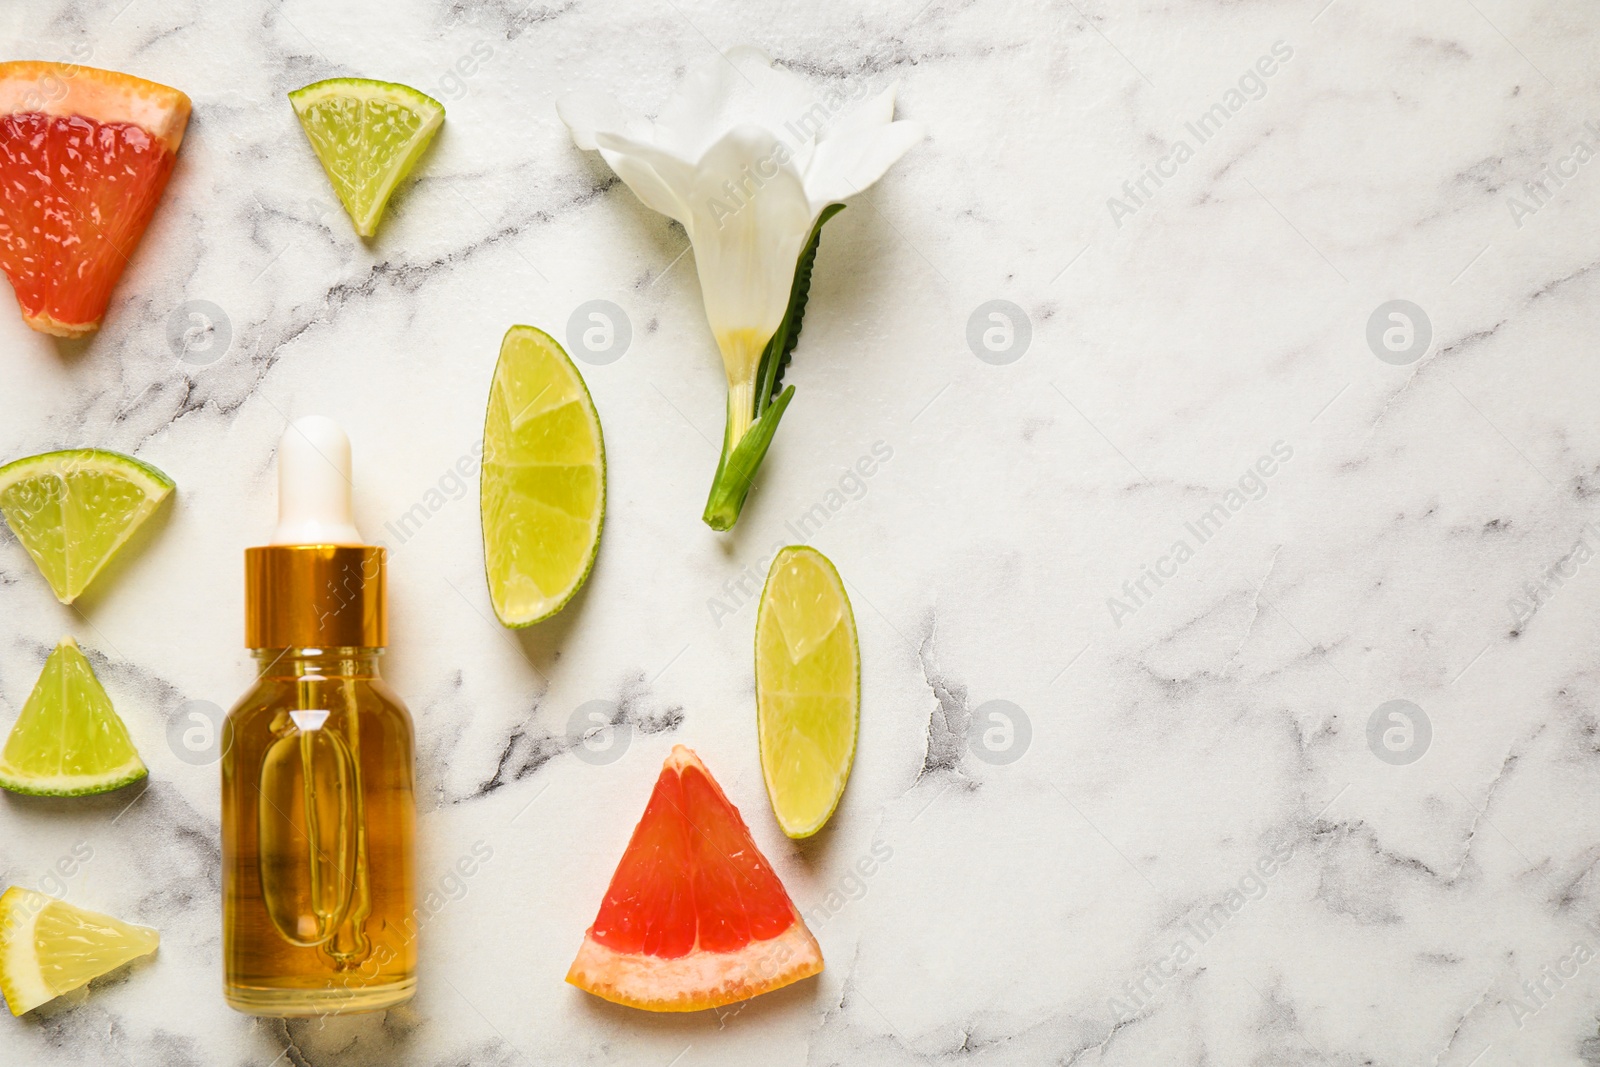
x,y
317,585
315,596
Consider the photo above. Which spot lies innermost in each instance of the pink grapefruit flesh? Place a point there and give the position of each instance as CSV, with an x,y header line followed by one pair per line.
x,y
84,157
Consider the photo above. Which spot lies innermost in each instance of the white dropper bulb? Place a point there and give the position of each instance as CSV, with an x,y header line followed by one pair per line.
x,y
314,485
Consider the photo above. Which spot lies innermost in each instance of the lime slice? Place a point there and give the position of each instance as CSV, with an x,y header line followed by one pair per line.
x,y
543,487
808,688
68,741
368,135
48,947
72,510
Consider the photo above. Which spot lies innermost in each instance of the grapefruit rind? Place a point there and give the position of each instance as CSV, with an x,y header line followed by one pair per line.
x,y
105,96
699,980
44,322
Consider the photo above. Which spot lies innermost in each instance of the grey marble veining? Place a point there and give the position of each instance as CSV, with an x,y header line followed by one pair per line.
x,y
1200,847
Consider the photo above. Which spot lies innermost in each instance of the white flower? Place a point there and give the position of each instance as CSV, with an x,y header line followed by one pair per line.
x,y
746,156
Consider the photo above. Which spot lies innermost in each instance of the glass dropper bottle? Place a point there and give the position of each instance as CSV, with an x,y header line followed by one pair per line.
x,y
318,812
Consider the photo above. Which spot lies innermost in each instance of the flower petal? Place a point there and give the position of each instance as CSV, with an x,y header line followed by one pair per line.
x,y
663,181
626,140
587,112
729,90
868,118
655,191
857,151
751,220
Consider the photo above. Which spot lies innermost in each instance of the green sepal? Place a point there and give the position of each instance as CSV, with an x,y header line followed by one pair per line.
x,y
780,349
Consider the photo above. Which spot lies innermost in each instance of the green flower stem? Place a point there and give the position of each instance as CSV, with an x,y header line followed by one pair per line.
x,y
740,461
754,408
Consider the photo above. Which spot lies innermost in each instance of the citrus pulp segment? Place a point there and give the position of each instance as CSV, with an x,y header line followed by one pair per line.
x,y
68,740
49,947
808,688
368,135
73,510
542,488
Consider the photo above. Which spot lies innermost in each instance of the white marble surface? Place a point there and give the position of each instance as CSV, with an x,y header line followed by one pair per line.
x,y
1172,748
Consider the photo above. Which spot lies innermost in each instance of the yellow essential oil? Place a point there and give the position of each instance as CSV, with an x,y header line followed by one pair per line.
x,y
318,812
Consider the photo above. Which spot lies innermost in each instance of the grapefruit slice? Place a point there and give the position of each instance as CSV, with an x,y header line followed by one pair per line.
x,y
84,157
694,917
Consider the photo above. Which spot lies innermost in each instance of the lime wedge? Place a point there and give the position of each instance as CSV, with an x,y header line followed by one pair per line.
x,y
49,947
808,688
68,741
543,487
72,510
368,135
